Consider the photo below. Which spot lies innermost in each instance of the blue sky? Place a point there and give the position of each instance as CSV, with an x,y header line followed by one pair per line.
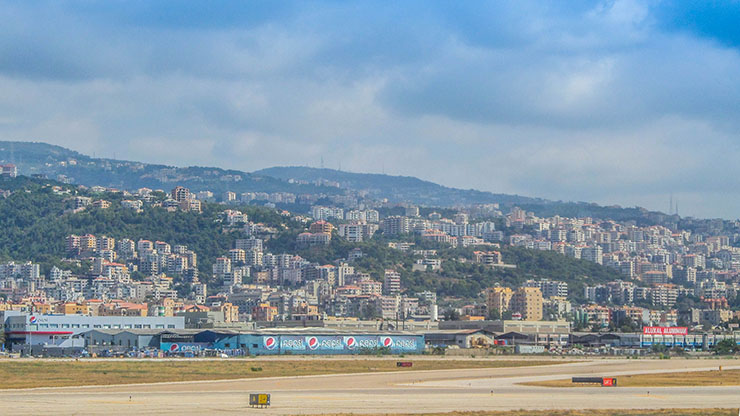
x,y
615,102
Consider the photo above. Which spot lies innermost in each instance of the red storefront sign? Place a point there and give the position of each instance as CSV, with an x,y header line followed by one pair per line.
x,y
665,330
609,382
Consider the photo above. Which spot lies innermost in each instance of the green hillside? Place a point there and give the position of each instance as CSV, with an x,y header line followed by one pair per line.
x,y
36,221
35,224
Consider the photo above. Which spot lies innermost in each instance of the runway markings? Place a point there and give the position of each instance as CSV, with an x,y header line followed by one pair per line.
x,y
652,396
115,401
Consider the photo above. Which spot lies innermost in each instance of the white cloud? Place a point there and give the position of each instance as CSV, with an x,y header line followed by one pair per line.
x,y
593,103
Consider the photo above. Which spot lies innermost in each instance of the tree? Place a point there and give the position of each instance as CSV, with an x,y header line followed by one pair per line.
x,y
452,315
660,348
369,311
626,324
726,346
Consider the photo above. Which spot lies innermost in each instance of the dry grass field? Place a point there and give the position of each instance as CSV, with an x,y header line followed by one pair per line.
x,y
645,412
51,373
695,378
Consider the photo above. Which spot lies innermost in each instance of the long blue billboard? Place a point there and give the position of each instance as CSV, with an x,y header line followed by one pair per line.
x,y
183,347
331,344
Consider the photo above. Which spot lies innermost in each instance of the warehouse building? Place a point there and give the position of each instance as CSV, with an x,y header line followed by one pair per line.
x,y
460,338
66,331
311,341
502,326
324,341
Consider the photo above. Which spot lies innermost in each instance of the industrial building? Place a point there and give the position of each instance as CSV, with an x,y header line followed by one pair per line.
x,y
460,338
65,331
312,341
55,334
73,334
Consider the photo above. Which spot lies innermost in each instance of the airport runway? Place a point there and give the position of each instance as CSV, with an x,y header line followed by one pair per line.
x,y
396,392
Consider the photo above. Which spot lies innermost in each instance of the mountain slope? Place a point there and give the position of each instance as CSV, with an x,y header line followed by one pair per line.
x,y
396,188
53,161
60,163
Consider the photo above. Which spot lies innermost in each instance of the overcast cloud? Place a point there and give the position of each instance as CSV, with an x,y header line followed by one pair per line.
x,y
616,102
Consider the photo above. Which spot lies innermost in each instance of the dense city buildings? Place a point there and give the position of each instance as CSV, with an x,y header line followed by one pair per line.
x,y
269,273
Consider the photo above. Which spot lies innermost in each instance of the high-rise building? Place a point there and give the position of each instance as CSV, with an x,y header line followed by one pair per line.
x,y
527,301
412,211
229,196
460,218
180,194
549,288
9,170
222,267
395,225
248,244
321,227
499,299
392,282
593,254
237,255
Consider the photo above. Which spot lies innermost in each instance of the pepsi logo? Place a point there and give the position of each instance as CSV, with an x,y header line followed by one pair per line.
x,y
313,343
270,343
351,342
32,319
174,347
388,342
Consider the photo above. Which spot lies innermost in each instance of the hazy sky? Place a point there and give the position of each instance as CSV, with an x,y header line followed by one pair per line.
x,y
616,102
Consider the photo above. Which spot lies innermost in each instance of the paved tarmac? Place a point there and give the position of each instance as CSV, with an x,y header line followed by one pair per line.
x,y
396,392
